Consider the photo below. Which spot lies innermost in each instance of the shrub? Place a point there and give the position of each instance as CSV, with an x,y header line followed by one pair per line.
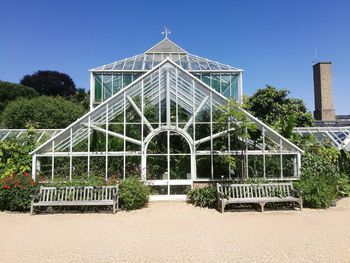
x,y
11,91
46,112
203,197
16,191
133,193
321,181
14,155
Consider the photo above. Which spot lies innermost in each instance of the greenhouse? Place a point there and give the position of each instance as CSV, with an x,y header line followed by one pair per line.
x,y
162,115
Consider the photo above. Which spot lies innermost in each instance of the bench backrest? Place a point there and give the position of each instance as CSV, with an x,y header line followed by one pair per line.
x,y
76,193
256,190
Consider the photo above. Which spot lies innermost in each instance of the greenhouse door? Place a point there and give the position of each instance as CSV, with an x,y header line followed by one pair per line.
x,y
169,165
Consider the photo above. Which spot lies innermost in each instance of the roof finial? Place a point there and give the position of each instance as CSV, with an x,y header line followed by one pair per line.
x,y
166,32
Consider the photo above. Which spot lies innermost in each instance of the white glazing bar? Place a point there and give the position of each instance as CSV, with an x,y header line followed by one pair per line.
x,y
70,154
7,134
211,137
53,161
168,120
89,145
246,157
102,88
34,167
140,112
263,149
120,136
143,119
160,100
195,112
281,160
177,99
240,89
124,133
106,134
168,153
92,90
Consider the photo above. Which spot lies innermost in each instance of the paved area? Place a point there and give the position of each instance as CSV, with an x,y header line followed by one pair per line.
x,y
178,232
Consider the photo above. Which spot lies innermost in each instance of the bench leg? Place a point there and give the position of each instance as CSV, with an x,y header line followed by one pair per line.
x,y
223,204
301,204
31,208
114,210
262,206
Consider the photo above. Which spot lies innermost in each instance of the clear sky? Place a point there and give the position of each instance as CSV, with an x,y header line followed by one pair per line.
x,y
273,41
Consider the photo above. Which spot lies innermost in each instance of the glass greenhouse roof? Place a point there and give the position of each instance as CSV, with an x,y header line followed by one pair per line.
x,y
161,51
338,136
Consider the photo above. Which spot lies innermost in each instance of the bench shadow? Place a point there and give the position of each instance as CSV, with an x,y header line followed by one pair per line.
x,y
269,207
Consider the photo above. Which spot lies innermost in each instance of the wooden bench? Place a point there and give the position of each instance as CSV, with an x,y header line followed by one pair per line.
x,y
76,196
257,193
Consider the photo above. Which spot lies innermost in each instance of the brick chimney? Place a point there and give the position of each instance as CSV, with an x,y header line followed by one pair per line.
x,y
323,92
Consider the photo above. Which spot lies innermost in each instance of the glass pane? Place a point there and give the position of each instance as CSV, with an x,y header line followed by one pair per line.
x,y
138,63
159,189
179,189
180,167
273,166
119,65
129,64
127,78
157,167
117,83
203,166
98,88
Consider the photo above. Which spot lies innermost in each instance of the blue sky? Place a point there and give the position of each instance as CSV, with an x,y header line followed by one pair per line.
x,y
273,41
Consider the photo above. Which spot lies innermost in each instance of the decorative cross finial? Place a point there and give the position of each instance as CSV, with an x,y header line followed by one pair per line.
x,y
166,32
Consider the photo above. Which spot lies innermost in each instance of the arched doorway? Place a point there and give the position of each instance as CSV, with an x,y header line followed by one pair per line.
x,y
168,162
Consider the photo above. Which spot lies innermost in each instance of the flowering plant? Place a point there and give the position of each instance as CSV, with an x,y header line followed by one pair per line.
x,y
15,191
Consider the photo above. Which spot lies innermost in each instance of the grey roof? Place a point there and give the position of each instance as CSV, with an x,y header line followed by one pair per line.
x,y
160,52
166,46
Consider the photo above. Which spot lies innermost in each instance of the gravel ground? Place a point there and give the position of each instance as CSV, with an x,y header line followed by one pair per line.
x,y
178,232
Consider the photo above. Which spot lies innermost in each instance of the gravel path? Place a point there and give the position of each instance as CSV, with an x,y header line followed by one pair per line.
x,y
178,232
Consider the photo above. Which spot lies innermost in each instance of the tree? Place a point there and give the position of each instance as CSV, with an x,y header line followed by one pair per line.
x,y
274,107
11,91
50,83
45,112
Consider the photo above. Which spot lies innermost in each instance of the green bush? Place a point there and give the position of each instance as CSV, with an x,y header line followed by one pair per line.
x,y
11,91
46,112
133,193
203,197
321,181
16,191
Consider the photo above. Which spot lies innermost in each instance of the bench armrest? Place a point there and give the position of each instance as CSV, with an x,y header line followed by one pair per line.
x,y
221,196
297,192
35,196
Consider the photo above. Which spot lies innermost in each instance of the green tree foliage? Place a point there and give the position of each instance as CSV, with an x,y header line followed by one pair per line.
x,y
81,97
11,91
275,108
46,112
50,83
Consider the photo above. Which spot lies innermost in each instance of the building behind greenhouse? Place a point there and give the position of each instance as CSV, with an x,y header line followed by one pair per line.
x,y
158,115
